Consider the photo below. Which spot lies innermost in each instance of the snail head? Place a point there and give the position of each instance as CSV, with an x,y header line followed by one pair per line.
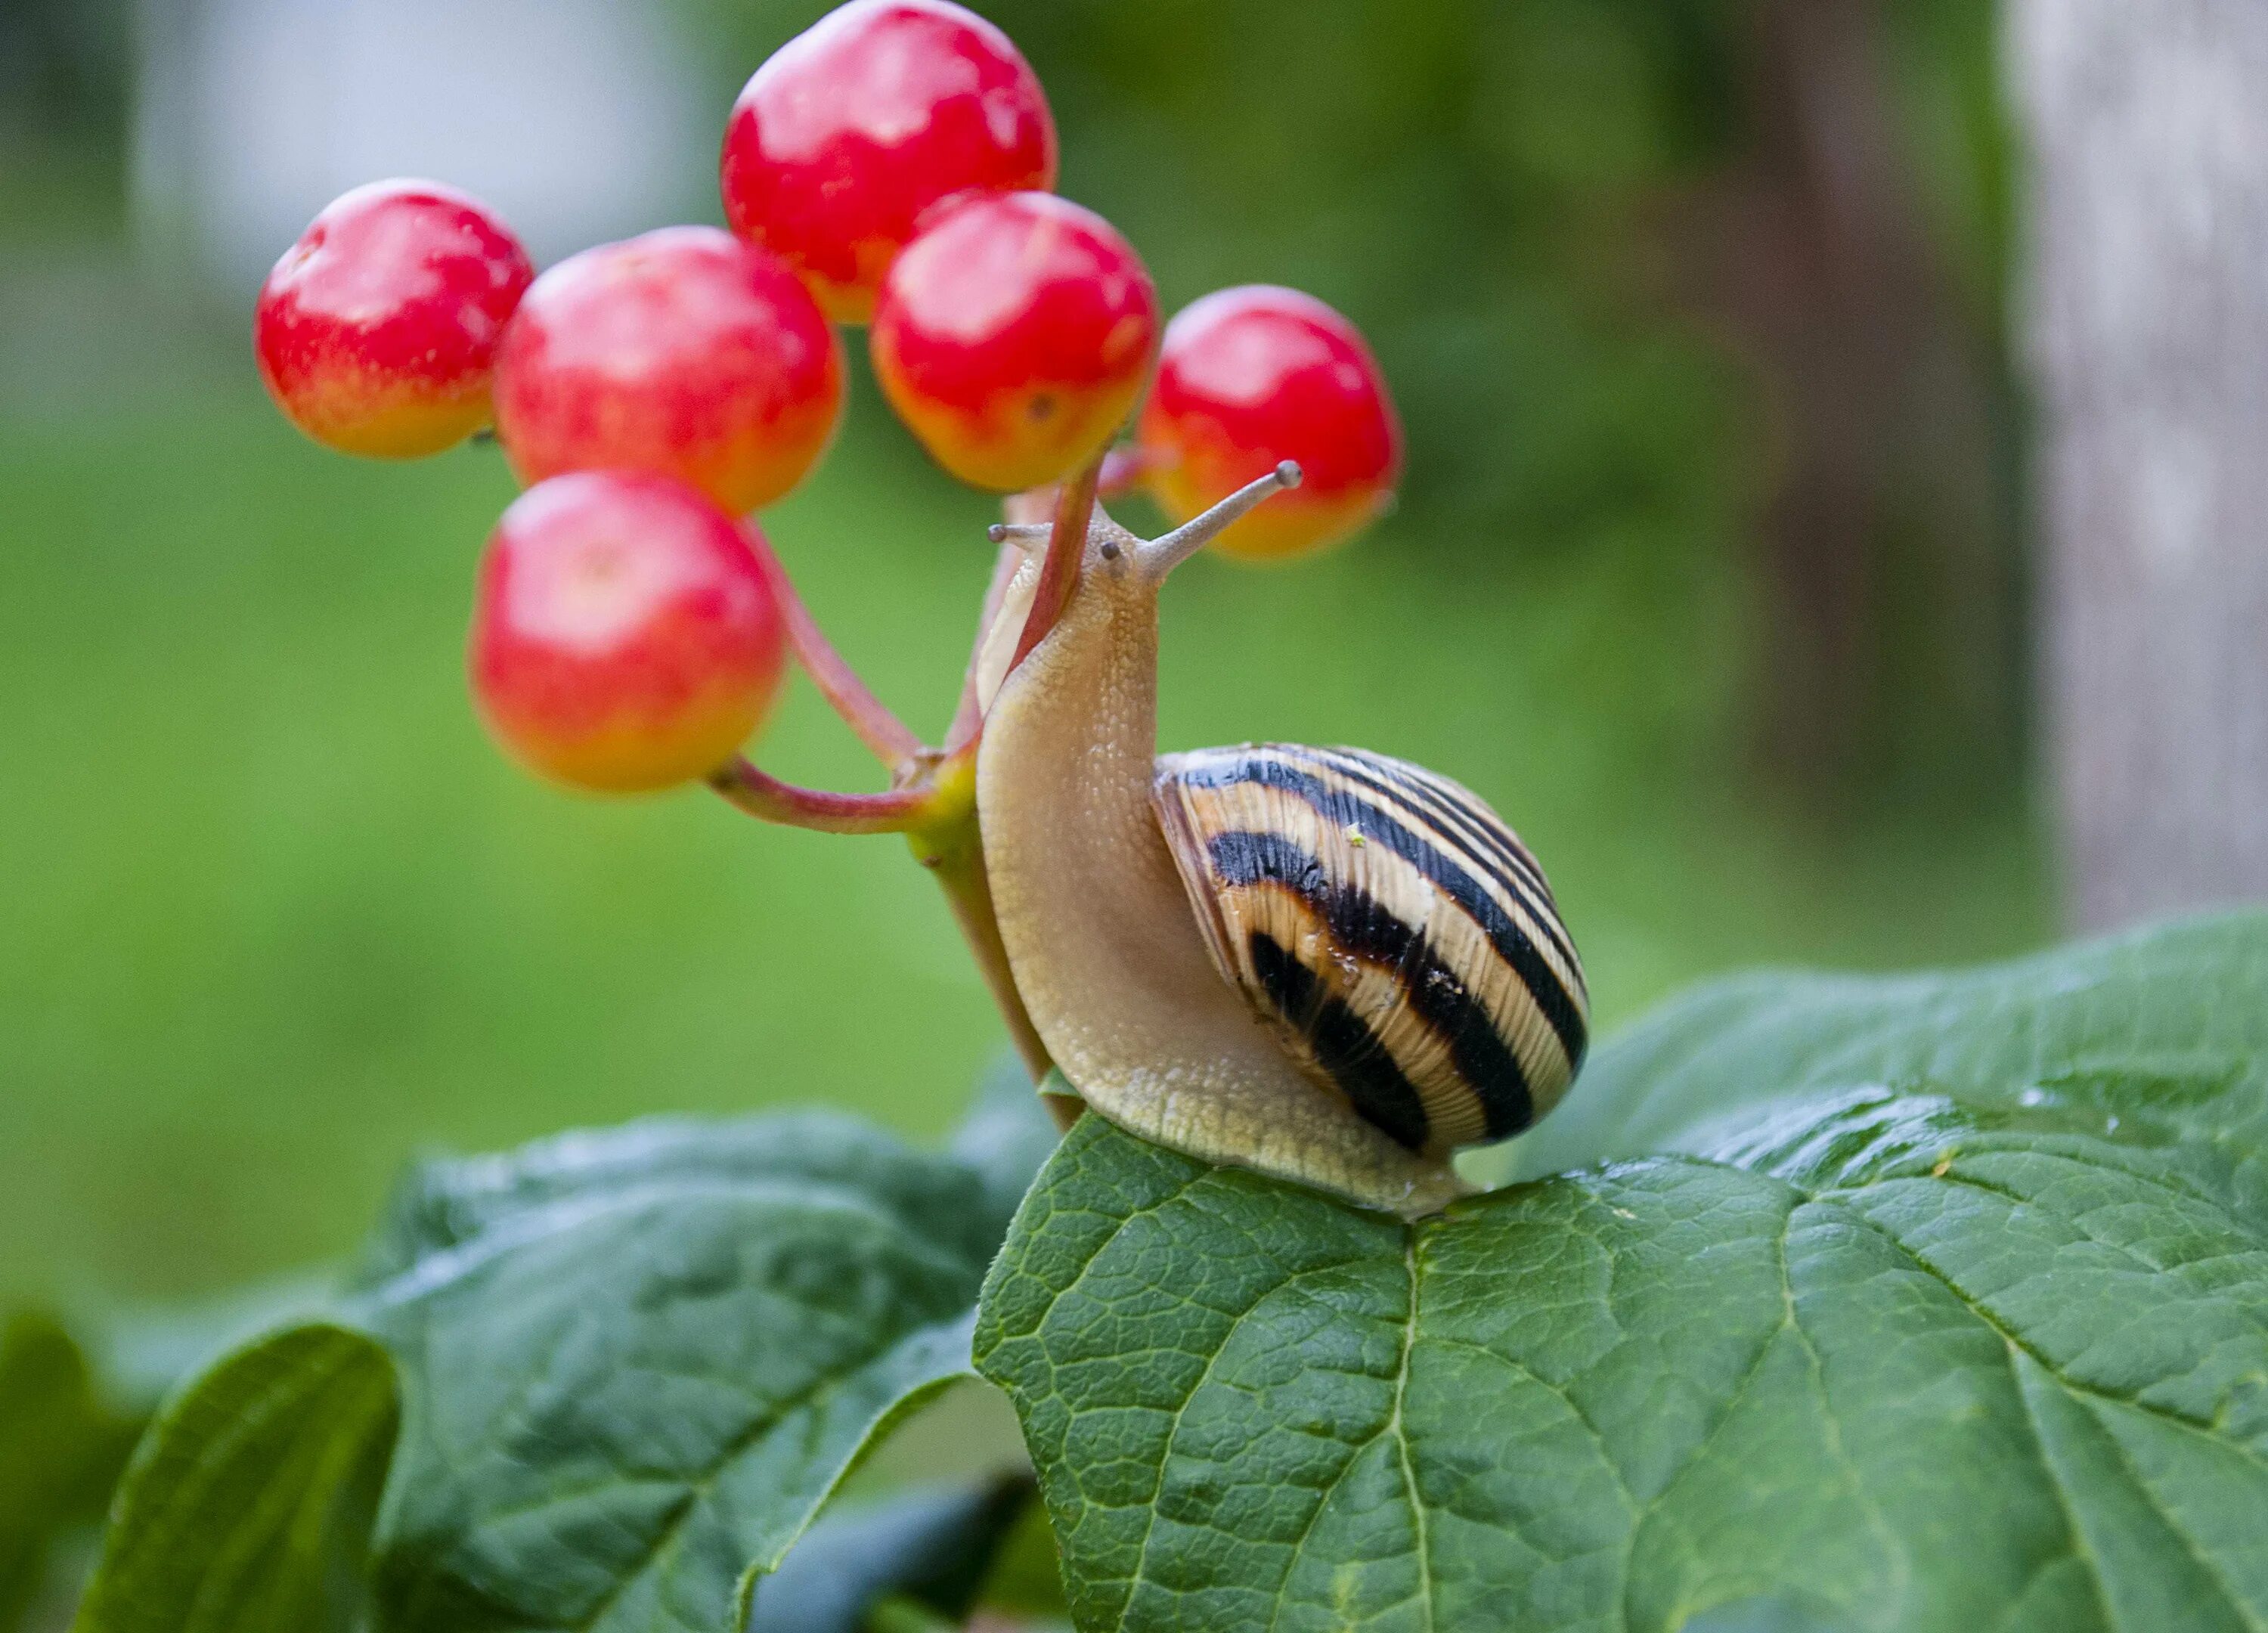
x,y
1110,560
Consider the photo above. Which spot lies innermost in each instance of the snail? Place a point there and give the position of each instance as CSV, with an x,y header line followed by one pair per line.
x,y
1320,963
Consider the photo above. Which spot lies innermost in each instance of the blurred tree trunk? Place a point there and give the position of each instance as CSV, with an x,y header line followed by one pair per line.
x,y
1888,567
2147,297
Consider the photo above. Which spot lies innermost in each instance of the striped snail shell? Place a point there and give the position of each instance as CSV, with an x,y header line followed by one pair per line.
x,y
1395,934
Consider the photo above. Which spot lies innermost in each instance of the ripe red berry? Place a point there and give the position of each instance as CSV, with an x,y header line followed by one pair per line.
x,y
1013,336
625,636
684,351
1251,376
860,123
377,332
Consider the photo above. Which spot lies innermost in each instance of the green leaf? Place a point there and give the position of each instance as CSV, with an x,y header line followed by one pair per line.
x,y
248,1507
448,1203
1951,1311
73,1402
2167,1025
637,1364
1761,1615
633,1366
1768,1614
61,1447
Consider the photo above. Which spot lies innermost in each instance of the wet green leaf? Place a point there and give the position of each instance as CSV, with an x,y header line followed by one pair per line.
x,y
638,1363
1922,1304
632,1366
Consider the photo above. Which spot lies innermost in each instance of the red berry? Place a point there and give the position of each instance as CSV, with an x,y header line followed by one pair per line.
x,y
684,351
1013,336
377,332
863,121
625,636
1251,376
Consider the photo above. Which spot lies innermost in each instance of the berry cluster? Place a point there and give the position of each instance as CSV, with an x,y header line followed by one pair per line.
x,y
891,166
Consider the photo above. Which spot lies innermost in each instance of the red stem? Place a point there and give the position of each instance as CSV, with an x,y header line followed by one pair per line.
x,y
900,811
888,737
1059,574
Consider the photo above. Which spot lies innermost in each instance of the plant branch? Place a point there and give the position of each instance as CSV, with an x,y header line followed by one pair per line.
x,y
935,807
901,811
969,893
1059,573
1024,518
888,737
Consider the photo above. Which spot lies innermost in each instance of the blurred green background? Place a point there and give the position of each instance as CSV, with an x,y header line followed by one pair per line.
x,y
1707,574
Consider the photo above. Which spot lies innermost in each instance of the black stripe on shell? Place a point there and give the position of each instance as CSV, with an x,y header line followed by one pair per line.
x,y
1472,829
1345,1046
1474,822
1362,926
1341,808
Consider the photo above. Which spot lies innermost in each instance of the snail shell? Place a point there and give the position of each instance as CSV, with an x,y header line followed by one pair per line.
x,y
1397,937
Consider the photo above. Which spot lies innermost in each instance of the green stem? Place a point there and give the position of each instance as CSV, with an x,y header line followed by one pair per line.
x,y
951,847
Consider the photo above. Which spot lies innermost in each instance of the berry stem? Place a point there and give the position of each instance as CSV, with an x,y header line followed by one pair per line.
x,y
901,811
935,806
888,737
1059,573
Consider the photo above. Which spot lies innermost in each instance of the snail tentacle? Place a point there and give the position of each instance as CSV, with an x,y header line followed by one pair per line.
x,y
1160,556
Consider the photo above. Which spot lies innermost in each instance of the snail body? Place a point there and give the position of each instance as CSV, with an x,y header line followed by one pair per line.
x,y
1322,964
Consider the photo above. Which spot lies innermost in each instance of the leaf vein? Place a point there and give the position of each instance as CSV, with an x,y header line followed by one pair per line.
x,y
2075,1386
2080,1549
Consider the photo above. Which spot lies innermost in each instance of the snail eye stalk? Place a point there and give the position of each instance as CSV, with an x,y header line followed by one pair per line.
x,y
1160,556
